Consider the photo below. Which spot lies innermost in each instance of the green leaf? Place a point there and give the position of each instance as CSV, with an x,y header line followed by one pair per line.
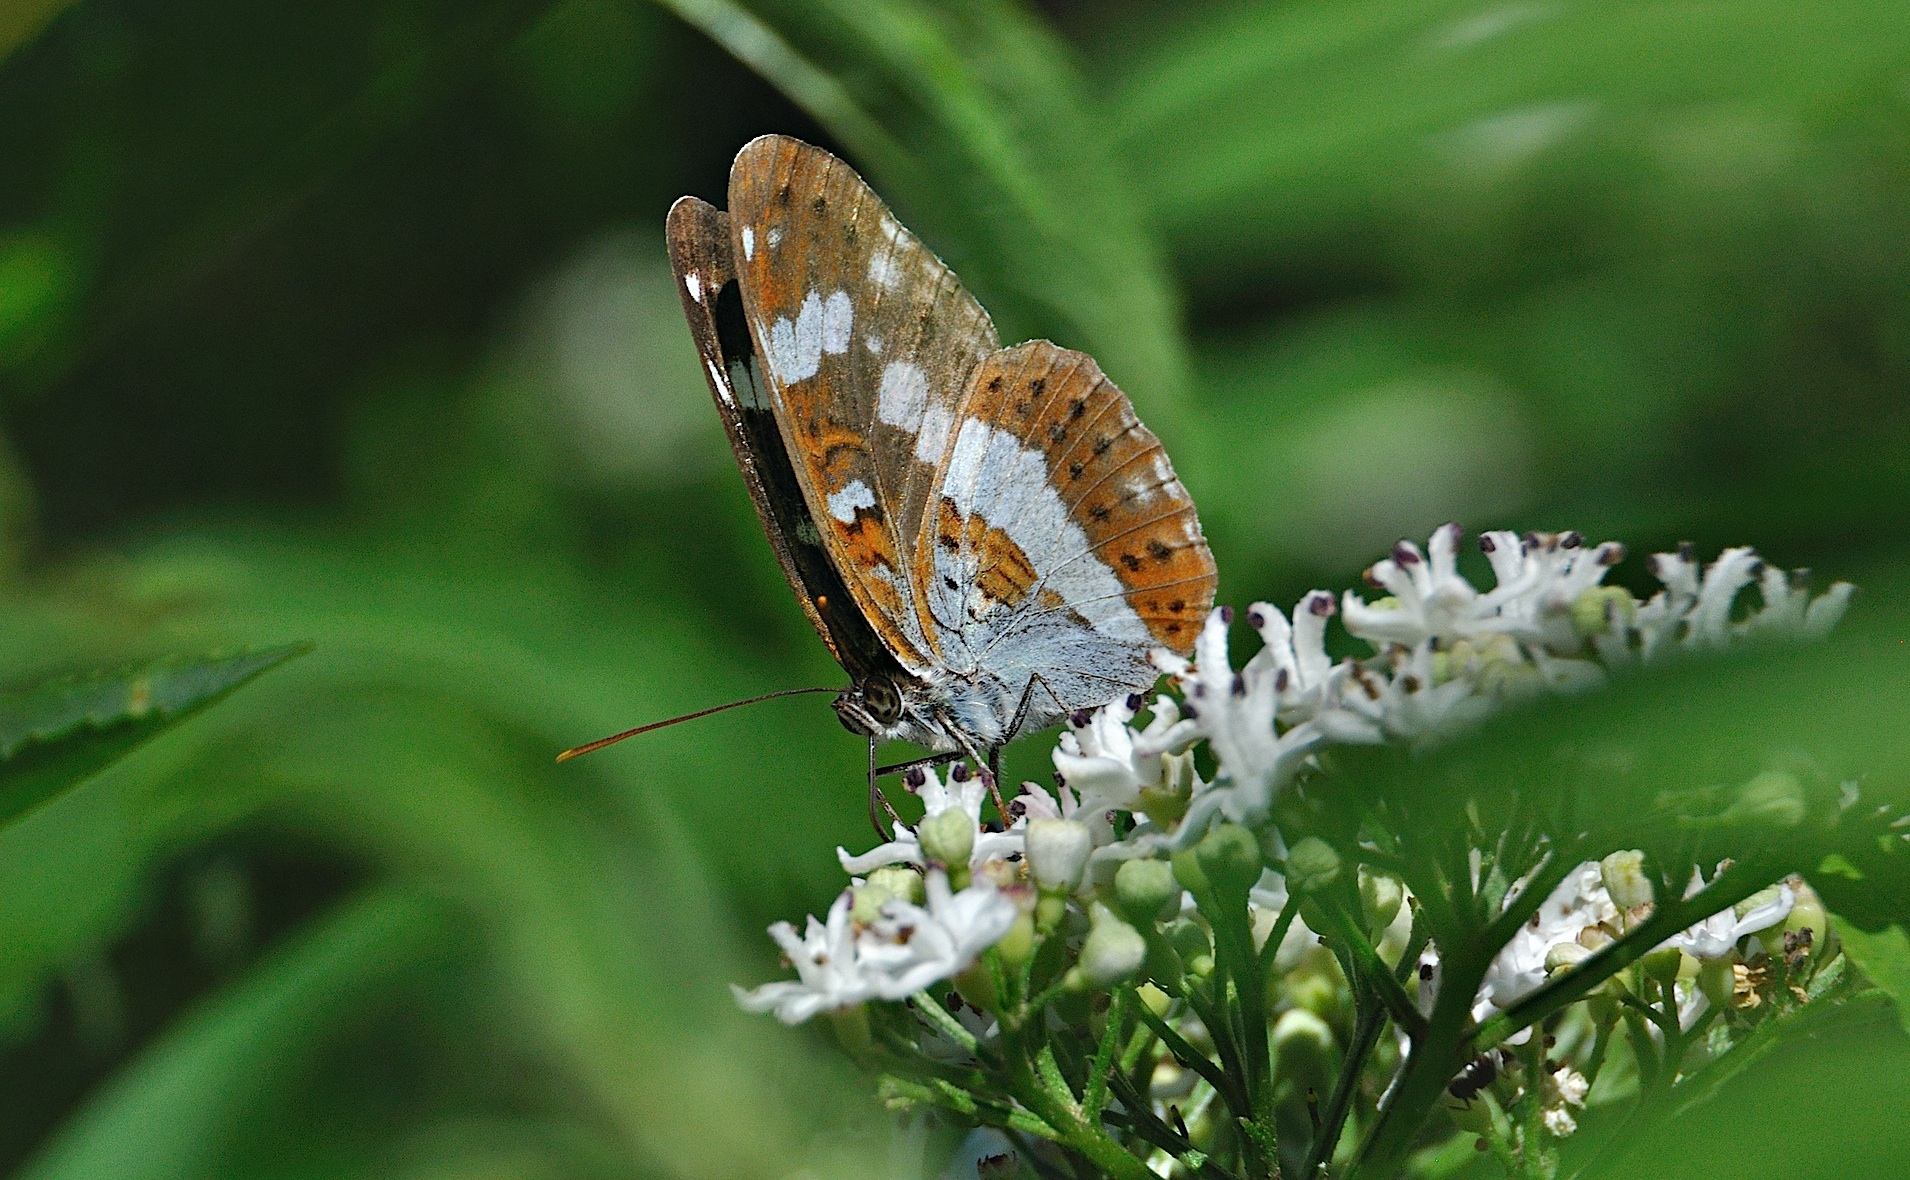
x,y
972,120
1885,958
1266,131
56,735
178,1106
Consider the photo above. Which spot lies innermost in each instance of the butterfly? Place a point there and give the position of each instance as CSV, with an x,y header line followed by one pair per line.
x,y
986,538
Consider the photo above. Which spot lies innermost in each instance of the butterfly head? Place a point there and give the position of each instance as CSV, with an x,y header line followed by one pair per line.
x,y
873,708
891,708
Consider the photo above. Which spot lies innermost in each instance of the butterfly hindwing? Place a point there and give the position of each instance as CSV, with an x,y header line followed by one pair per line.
x,y
869,342
1059,541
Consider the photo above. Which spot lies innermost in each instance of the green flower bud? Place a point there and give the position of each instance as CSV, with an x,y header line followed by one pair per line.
x,y
1595,609
1146,892
1187,938
1111,954
901,881
948,837
1624,877
1019,943
1717,979
1564,957
1312,865
1057,851
1303,1046
1380,897
1230,857
866,902
1807,914
1188,872
1662,965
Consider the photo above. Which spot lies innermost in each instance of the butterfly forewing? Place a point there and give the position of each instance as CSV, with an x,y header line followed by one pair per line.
x,y
1059,542
869,343
699,242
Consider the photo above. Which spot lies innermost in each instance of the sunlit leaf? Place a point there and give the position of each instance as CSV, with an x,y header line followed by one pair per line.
x,y
972,120
1885,958
53,736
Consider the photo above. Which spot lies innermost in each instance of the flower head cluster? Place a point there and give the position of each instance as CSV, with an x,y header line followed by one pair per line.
x,y
899,950
1445,653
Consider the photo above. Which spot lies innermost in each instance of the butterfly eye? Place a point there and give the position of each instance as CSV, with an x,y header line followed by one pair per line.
x,y
883,702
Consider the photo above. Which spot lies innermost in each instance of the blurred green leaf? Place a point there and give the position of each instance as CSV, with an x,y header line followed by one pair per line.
x,y
55,735
1885,958
175,1111
972,119
1261,128
22,20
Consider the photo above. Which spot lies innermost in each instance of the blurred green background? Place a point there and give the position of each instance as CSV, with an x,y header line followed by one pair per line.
x,y
351,322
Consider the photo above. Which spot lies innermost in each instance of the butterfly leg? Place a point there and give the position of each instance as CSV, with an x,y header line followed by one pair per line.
x,y
911,764
879,802
1027,698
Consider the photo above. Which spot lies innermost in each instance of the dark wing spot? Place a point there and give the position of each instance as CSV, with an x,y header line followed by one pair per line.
x,y
1130,561
1173,628
1100,512
1075,469
782,195
1079,407
1159,550
1057,434
1037,385
948,581
1023,409
819,205
994,385
1101,446
1177,606
949,542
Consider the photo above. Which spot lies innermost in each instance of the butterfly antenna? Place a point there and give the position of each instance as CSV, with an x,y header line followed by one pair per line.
x,y
614,738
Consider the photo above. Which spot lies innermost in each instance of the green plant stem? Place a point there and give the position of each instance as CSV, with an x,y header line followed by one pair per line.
x,y
1233,931
1386,988
1190,1057
1096,1096
1437,1054
1367,1026
1141,1119
1060,1111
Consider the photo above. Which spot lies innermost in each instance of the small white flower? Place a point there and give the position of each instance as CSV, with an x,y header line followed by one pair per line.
x,y
963,791
1108,763
1558,1121
1293,655
1694,609
1235,712
1578,903
1401,697
1717,936
1539,578
840,962
1428,599
1571,1086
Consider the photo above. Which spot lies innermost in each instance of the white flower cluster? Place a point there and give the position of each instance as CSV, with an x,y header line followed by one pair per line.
x,y
875,945
1446,655
1581,915
903,949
